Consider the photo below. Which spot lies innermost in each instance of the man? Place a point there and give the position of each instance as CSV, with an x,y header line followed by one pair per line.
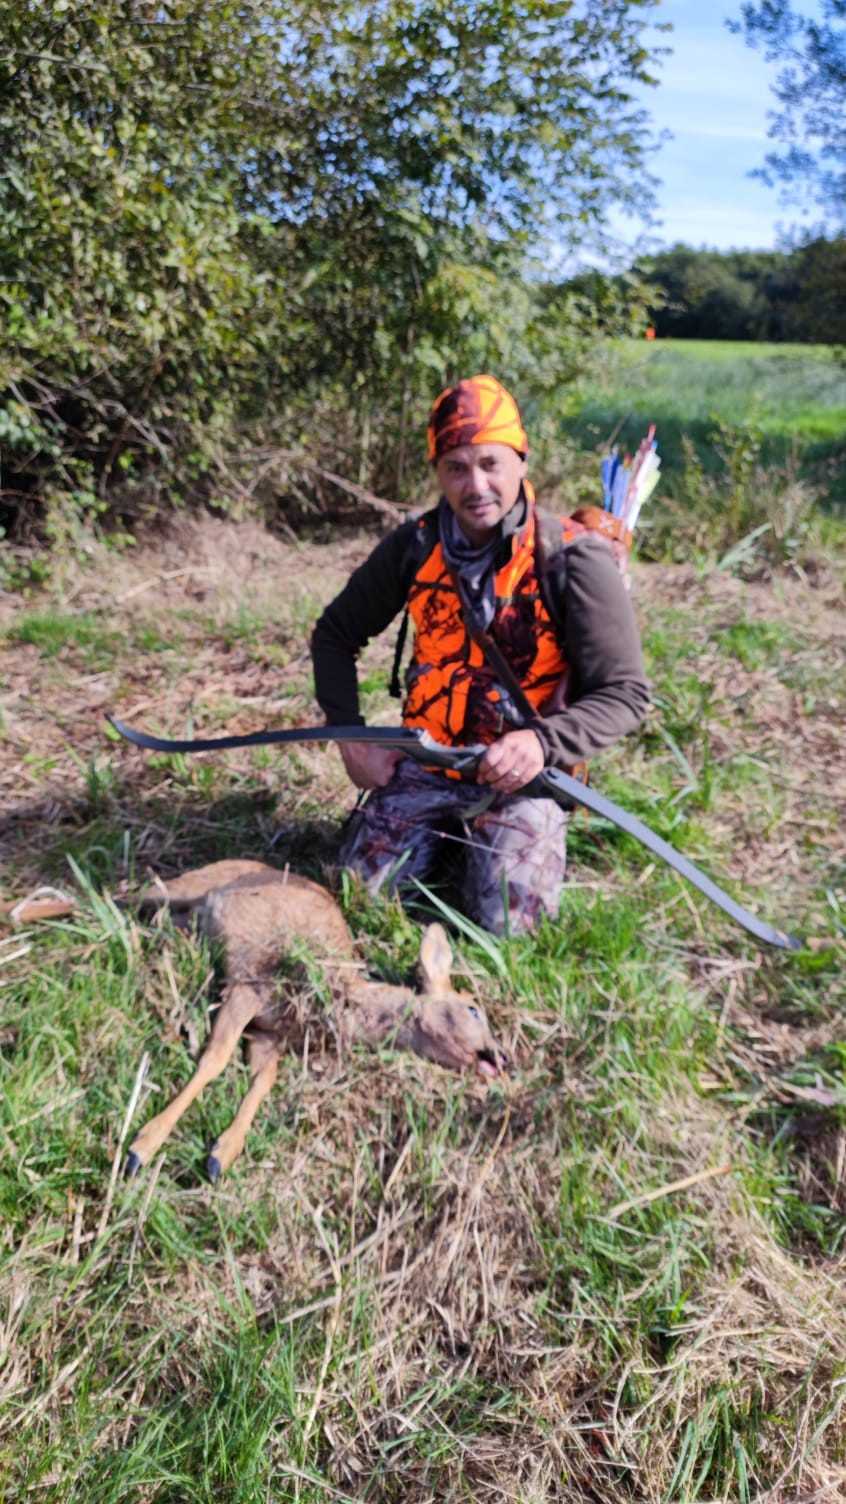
x,y
477,589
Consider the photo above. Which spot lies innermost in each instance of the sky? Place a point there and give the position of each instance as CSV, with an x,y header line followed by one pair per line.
x,y
714,95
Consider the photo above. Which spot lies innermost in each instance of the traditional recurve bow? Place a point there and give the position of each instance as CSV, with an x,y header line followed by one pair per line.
x,y
552,783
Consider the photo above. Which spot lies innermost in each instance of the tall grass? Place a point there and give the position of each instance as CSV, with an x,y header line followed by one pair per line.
x,y
793,395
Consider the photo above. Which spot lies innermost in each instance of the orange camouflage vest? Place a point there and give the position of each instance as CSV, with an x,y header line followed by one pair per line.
x,y
451,689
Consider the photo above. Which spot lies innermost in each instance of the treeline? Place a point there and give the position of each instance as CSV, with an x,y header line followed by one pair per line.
x,y
244,245
797,296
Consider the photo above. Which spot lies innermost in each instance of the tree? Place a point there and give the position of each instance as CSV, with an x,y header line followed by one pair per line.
x,y
711,294
750,295
221,217
811,92
819,314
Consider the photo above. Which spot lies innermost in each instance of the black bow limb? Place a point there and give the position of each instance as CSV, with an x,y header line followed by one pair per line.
x,y
552,783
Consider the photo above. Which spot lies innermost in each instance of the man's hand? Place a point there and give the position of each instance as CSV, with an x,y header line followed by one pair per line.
x,y
512,762
368,765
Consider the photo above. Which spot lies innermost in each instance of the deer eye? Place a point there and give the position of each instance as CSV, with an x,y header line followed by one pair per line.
x,y
473,1011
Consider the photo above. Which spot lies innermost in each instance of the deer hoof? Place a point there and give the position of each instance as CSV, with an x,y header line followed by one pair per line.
x,y
213,1168
133,1165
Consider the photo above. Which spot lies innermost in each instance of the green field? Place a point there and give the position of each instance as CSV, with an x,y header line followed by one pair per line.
x,y
796,394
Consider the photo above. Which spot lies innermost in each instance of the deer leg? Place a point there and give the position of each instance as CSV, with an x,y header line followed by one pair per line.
x,y
263,1055
240,1004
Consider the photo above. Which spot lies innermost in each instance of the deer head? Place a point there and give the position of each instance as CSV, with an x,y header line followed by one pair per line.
x,y
451,1029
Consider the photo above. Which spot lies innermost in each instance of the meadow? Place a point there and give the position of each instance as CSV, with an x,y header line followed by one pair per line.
x,y
616,1276
792,398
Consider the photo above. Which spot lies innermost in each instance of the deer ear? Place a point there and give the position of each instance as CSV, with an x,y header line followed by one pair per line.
x,y
435,959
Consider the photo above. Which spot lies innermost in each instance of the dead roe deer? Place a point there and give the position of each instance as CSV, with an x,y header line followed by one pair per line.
x,y
257,913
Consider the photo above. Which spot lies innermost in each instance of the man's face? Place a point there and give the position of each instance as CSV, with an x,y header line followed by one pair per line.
x,y
481,483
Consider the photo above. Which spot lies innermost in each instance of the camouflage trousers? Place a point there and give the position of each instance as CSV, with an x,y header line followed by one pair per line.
x,y
515,849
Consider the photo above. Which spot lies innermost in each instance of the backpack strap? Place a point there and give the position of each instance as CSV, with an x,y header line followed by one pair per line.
x,y
419,547
552,536
550,553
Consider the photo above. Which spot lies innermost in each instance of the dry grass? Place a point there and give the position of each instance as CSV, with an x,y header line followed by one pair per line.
x,y
413,1287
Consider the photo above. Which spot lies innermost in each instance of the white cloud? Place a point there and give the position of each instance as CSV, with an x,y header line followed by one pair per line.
x,y
714,95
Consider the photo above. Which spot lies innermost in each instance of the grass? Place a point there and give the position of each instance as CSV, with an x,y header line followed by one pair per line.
x,y
411,1287
794,394
52,632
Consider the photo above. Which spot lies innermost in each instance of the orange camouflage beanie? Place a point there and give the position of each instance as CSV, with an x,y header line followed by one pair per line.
x,y
477,411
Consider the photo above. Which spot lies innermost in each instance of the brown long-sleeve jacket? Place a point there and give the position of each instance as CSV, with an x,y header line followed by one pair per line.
x,y
607,691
